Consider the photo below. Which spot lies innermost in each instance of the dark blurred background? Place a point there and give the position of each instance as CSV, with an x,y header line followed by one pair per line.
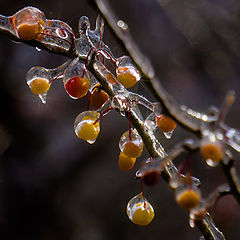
x,y
55,186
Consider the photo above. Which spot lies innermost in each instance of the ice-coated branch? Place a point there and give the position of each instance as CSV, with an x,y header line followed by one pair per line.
x,y
186,117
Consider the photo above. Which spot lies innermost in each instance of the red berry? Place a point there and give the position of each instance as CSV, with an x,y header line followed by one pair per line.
x,y
77,87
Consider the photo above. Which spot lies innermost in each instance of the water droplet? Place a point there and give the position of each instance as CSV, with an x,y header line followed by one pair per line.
x,y
122,24
211,163
43,98
168,135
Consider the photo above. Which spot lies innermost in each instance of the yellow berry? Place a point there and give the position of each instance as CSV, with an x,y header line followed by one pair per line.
x,y
87,129
127,76
39,86
212,151
188,199
125,163
165,123
143,215
132,149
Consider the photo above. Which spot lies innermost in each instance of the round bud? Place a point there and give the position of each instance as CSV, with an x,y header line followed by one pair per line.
x,y
125,163
140,211
77,87
151,178
187,198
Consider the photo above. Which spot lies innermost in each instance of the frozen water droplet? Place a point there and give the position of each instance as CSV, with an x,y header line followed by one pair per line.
x,y
233,138
157,109
211,163
168,135
91,141
139,210
122,113
43,98
131,143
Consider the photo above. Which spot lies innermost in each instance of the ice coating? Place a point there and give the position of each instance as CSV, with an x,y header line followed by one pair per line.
x,y
139,204
86,127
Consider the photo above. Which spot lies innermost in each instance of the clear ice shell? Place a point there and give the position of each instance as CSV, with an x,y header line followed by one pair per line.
x,y
126,62
137,202
135,138
157,109
57,33
150,122
76,68
79,120
28,15
233,138
38,72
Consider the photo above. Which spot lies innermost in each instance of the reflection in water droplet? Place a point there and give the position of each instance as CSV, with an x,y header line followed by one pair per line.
x,y
168,135
122,24
43,98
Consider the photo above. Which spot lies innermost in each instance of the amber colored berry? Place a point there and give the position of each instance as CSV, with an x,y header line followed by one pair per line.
x,y
110,78
143,214
212,151
132,150
88,130
151,178
39,86
27,31
165,123
188,199
125,163
77,87
98,98
127,76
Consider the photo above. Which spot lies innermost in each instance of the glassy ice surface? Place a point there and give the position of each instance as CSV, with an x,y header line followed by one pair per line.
x,y
150,122
57,34
154,164
135,138
157,109
138,202
233,138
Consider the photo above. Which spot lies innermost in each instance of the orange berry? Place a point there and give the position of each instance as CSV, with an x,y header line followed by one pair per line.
x,y
212,151
29,22
132,149
98,98
110,78
77,87
165,123
39,86
187,199
125,163
128,76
